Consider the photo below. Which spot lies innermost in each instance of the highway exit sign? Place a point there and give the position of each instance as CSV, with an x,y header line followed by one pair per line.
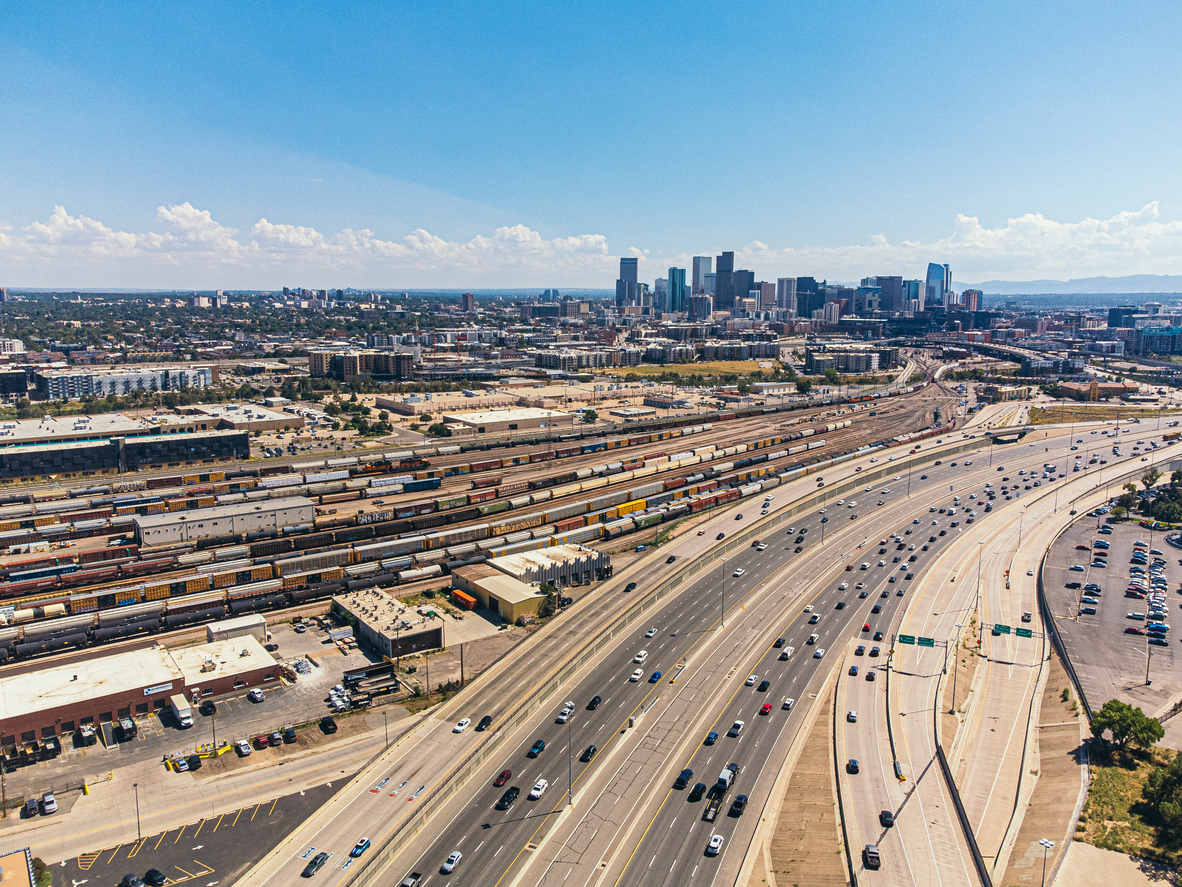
x,y
926,642
1023,632
906,639
998,628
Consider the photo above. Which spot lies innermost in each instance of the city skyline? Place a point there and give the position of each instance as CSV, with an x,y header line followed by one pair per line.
x,y
312,149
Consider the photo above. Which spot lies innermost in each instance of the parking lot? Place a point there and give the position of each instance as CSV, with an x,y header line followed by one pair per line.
x,y
218,849
1111,661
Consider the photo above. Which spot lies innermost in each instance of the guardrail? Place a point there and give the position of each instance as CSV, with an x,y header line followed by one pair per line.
x,y
966,826
454,781
845,835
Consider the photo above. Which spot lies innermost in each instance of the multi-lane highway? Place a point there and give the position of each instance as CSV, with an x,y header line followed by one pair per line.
x,y
628,824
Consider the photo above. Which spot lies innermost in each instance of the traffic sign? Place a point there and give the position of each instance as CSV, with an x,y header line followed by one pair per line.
x,y
998,628
926,642
906,639
1023,632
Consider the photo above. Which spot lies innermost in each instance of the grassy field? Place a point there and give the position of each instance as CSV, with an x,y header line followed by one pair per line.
x,y
1115,817
709,368
1086,413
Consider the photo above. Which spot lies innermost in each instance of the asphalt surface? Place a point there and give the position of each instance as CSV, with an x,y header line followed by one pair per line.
x,y
215,850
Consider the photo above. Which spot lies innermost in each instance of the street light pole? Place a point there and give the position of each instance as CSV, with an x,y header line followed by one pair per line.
x,y
138,835
724,592
980,619
570,764
955,653
1046,847
386,729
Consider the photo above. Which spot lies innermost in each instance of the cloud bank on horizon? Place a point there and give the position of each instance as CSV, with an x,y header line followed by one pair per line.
x,y
192,250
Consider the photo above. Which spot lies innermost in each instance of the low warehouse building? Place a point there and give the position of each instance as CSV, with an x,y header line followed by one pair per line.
x,y
383,624
53,702
222,520
560,565
503,421
254,626
509,598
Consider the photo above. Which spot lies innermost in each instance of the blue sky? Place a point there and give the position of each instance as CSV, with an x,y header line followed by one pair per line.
x,y
236,145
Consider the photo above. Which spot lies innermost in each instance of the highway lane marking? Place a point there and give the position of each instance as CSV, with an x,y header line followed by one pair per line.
x,y
401,786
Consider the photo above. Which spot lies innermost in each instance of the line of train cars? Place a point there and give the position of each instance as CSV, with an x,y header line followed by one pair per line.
x,y
221,586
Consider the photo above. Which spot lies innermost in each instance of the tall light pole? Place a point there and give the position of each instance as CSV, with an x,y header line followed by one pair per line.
x,y
980,618
138,835
724,592
955,654
570,763
1046,848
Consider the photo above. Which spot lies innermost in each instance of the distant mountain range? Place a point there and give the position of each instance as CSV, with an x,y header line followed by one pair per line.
x,y
1156,284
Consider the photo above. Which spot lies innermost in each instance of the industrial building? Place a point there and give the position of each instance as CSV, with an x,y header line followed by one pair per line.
x,y
222,520
437,404
383,623
55,701
558,565
253,625
502,421
509,598
245,417
91,455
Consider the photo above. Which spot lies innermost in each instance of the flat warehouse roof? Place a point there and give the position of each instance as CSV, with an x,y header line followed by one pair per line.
x,y
63,685
520,415
229,657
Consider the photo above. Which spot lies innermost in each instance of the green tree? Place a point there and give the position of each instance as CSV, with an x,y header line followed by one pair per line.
x,y
1150,477
1128,725
438,429
550,605
831,376
803,386
590,416
1176,477
1163,790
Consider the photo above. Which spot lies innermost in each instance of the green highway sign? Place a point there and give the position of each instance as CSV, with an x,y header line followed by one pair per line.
x,y
906,639
998,628
926,642
1023,632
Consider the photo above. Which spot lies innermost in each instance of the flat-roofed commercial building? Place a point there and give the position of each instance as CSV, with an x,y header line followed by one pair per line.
x,y
494,590
244,417
380,622
558,565
222,520
123,380
56,700
502,421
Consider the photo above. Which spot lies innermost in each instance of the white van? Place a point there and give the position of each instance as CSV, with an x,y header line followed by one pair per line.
x,y
640,657
786,653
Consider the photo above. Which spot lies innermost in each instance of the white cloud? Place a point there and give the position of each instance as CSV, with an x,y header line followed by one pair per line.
x,y
194,250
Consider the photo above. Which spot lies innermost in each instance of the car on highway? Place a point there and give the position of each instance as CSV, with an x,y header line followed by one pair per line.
x,y
683,779
809,608
1076,568
449,864
652,632
503,777
859,650
878,636
539,789
636,675
874,651
461,725
588,753
508,798
632,585
739,571
763,686
870,676
736,728
852,716
720,536
715,846
711,738
654,677
314,865
738,805
483,725
886,818
536,749
851,766
751,679
870,857
696,792
564,715
819,653
853,670
594,703
671,558
359,848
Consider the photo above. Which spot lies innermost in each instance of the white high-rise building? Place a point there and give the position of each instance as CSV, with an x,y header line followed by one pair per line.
x,y
786,294
702,268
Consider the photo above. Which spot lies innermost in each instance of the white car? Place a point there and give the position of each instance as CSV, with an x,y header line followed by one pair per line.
x,y
255,696
843,586
739,572
451,862
788,703
461,726
650,633
852,717
819,653
564,715
1030,572
809,608
243,748
751,680
861,584
715,846
636,675
539,789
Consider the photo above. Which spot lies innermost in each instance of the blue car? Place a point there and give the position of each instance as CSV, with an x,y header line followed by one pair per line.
x,y
359,848
656,677
711,738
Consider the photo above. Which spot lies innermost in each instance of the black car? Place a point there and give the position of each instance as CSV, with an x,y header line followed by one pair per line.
x,y
133,880
720,536
1071,585
507,799
851,766
194,762
886,818
588,754
629,586
289,735
876,609
799,549
314,864
671,558
328,725
878,635
840,605
763,685
779,643
594,703
155,878
697,791
798,540
738,805
683,779
208,707
484,724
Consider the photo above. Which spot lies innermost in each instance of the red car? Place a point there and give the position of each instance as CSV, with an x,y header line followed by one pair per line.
x,y
754,542
505,776
766,709
1132,629
866,626
262,741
